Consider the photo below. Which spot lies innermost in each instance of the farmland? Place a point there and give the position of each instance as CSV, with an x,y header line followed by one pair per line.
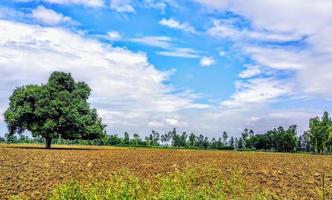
x,y
32,172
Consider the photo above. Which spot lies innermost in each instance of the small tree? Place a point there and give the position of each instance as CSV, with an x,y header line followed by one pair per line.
x,y
58,107
231,142
165,138
192,140
126,138
225,137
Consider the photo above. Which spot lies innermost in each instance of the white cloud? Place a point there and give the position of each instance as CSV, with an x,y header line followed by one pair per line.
x,y
251,71
48,16
122,6
166,43
256,91
297,16
307,62
156,4
207,61
224,29
127,90
180,52
275,57
88,3
154,41
168,122
172,23
114,35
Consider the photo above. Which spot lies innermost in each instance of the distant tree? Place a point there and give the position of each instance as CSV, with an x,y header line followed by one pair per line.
x,y
251,133
155,137
240,144
225,137
165,138
192,140
23,139
200,141
2,139
231,142
136,140
277,139
220,144
251,142
319,130
58,107
214,144
290,138
245,135
149,140
306,141
10,138
329,140
183,139
175,138
206,143
126,138
114,140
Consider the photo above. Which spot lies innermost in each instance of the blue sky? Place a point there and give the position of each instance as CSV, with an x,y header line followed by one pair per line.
x,y
198,65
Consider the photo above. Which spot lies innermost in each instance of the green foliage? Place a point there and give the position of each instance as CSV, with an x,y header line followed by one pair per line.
x,y
320,133
58,107
278,139
191,183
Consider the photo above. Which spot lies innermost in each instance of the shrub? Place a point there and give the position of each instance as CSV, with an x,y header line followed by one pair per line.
x,y
191,183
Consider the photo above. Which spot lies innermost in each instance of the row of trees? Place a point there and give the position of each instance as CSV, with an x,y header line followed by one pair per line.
x,y
317,139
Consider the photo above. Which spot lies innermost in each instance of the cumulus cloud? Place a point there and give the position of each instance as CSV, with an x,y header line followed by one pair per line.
x,y
256,91
48,16
127,91
305,48
172,23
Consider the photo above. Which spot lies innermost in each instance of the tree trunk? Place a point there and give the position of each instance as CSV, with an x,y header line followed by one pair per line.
x,y
48,143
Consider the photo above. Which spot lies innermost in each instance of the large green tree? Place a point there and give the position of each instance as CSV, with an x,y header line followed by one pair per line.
x,y
58,107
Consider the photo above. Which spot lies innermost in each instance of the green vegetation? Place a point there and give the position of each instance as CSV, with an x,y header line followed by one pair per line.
x,y
278,139
317,139
320,133
57,108
192,183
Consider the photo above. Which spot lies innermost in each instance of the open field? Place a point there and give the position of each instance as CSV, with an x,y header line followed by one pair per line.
x,y
32,172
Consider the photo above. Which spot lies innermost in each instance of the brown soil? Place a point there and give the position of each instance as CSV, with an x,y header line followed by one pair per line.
x,y
33,172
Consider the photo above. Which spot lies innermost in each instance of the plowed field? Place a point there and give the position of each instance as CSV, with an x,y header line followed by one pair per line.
x,y
32,172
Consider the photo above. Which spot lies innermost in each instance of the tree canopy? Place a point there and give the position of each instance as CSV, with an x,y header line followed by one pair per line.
x,y
59,107
320,133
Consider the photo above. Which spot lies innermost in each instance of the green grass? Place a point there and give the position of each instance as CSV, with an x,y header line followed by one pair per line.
x,y
191,183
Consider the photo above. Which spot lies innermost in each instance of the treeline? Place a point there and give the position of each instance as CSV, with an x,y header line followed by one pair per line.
x,y
317,139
